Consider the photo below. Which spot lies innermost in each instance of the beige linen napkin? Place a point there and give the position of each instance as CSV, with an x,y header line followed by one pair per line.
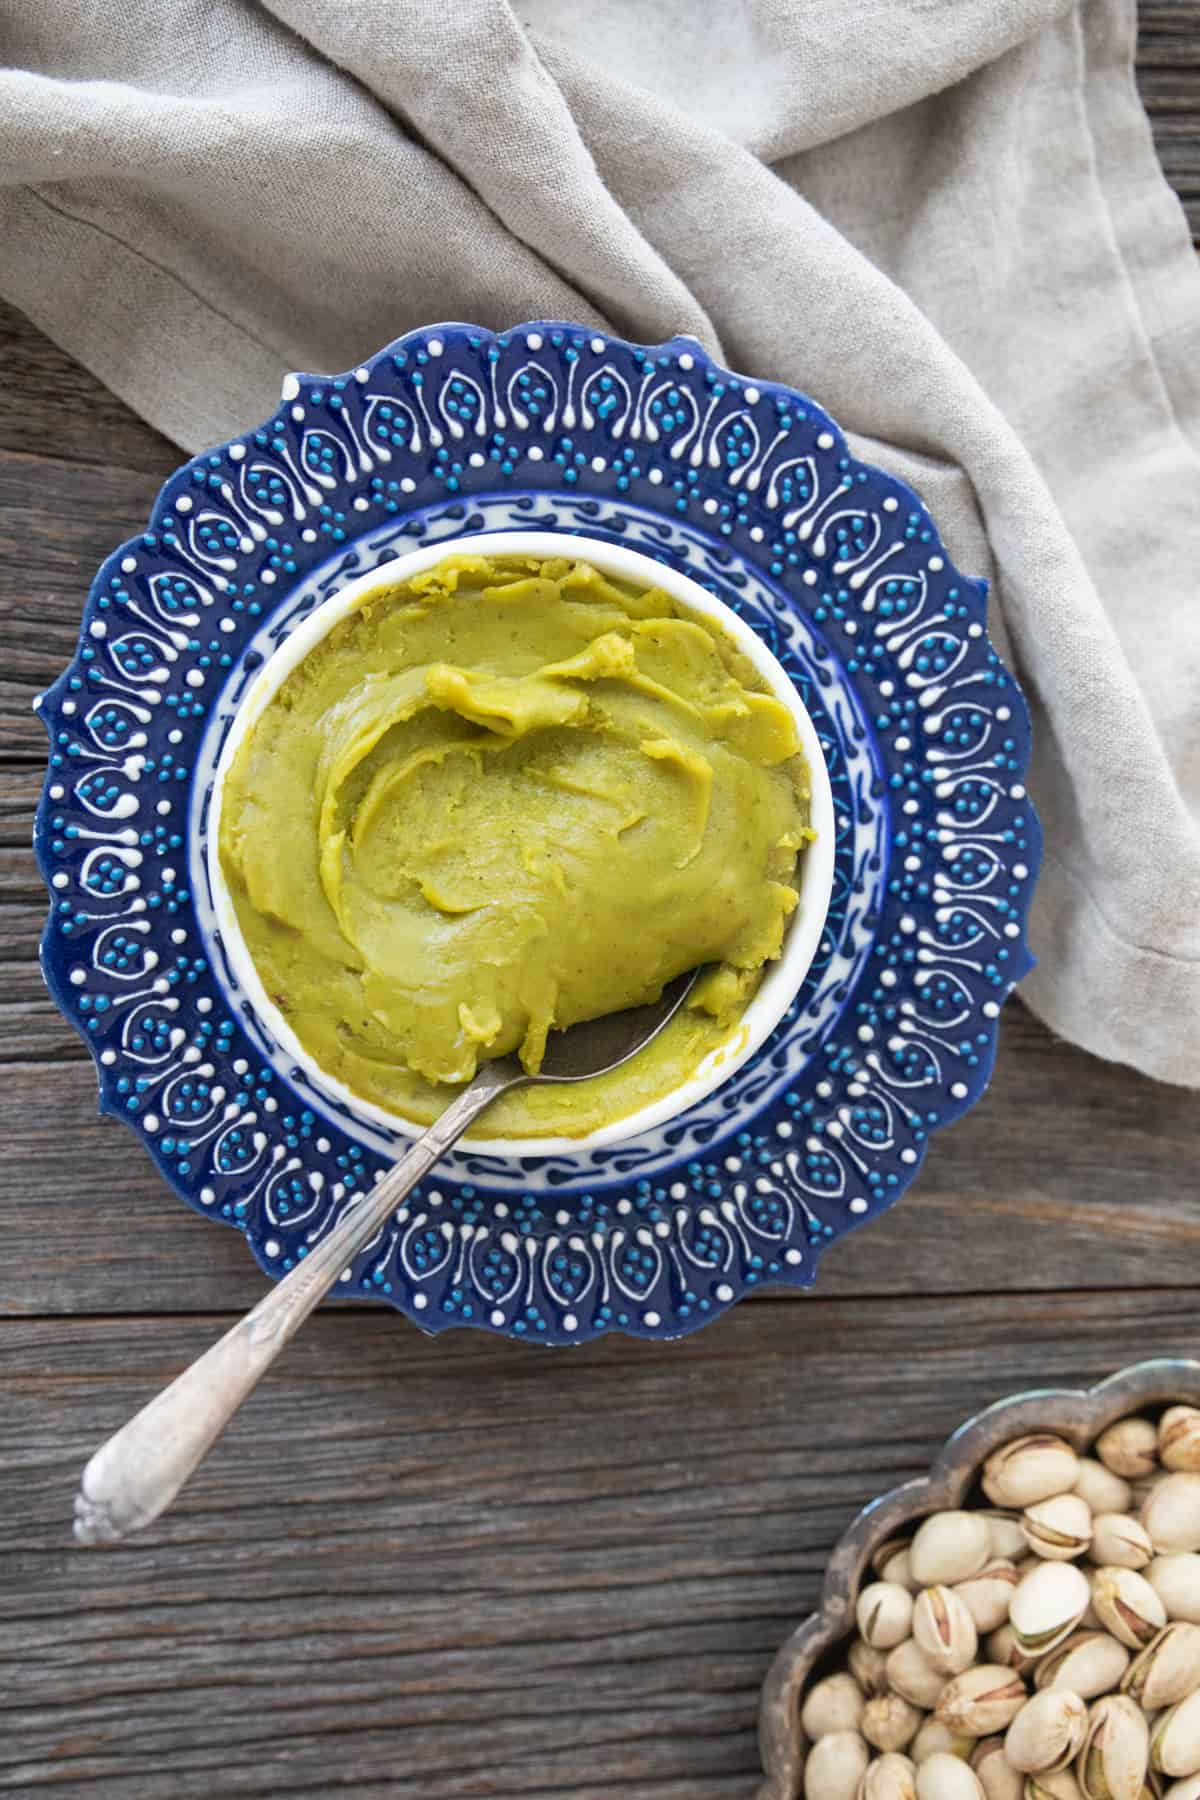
x,y
941,218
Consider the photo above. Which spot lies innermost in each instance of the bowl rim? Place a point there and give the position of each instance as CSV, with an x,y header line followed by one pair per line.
x,y
784,976
1078,1414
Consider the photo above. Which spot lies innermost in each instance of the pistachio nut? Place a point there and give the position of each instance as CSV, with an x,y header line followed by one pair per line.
x,y
898,1568
911,1675
944,1777
982,1700
1090,1663
1032,1468
834,1704
890,1561
1142,1490
1129,1448
936,1739
1002,1647
890,1777
1116,1750
1120,1540
834,1767
1187,1789
1054,1784
944,1630
868,1667
1176,1580
1047,1732
948,1548
1175,1739
889,1722
1103,1491
1059,1528
1128,1606
886,1550
1091,1620
1179,1438
884,1611
1167,1670
1004,1528
1047,1605
1171,1513
986,1595
997,1777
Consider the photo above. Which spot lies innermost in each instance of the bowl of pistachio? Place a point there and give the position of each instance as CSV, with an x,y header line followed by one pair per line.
x,y
1023,1623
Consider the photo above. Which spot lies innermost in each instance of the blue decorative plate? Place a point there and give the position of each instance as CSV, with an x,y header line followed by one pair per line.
x,y
747,487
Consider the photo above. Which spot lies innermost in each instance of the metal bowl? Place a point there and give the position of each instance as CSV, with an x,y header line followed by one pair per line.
x,y
1078,1416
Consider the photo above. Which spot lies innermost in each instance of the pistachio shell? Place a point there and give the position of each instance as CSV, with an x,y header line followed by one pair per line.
x,y
1090,1663
1179,1438
986,1596
1116,1750
1171,1514
868,1667
834,1704
1176,1580
944,1630
885,1611
890,1548
982,1700
1175,1740
1128,1606
936,1739
1091,1620
997,1777
1187,1789
1059,1528
1142,1490
1004,1528
1029,1469
1047,1605
948,1548
890,1777
1129,1448
1047,1731
1103,1491
944,1777
898,1568
1055,1784
834,1767
1167,1670
1002,1647
889,1722
911,1675
1120,1541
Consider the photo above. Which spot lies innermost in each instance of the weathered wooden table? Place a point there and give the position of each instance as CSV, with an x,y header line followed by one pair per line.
x,y
421,1568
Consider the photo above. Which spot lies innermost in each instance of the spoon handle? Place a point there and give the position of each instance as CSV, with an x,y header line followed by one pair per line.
x,y
135,1476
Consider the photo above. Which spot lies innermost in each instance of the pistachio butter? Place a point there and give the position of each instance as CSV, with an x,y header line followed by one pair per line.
x,y
500,797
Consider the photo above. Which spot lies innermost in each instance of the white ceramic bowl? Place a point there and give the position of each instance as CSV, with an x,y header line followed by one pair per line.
x,y
782,979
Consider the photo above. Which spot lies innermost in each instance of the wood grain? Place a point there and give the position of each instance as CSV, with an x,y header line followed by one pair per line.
x,y
491,1572
1168,70
422,1569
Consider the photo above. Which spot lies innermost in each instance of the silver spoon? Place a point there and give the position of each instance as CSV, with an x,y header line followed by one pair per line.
x,y
135,1475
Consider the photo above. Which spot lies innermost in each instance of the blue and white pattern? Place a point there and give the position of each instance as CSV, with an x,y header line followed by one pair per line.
x,y
747,487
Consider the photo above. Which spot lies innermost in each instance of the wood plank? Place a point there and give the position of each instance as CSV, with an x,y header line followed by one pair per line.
x,y
1070,1172
450,1568
51,406
1168,74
